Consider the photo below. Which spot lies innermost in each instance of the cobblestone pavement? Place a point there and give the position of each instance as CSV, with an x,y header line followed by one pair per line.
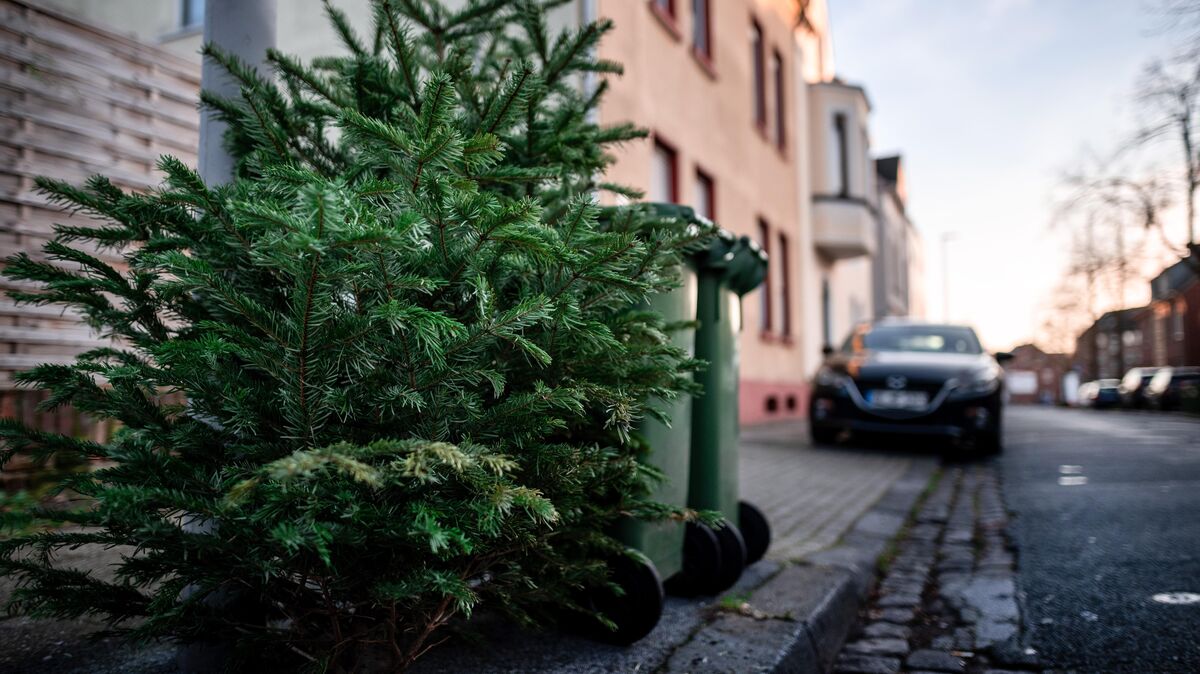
x,y
946,600
811,495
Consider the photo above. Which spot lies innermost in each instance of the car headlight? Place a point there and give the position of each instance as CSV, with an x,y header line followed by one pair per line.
x,y
977,383
831,378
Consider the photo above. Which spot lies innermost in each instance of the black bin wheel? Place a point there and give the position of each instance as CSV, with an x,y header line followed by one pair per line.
x,y
701,570
755,530
733,556
637,610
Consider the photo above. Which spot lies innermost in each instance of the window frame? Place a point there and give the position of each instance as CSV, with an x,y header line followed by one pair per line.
x,y
705,177
667,15
766,324
673,183
785,286
841,134
186,9
827,312
759,75
780,100
705,56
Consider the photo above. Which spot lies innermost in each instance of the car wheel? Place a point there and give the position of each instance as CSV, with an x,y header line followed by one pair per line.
x,y
823,435
990,443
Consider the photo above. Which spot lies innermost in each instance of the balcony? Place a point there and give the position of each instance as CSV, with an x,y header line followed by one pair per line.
x,y
843,227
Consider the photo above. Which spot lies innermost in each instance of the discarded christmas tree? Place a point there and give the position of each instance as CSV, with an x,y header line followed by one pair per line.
x,y
386,375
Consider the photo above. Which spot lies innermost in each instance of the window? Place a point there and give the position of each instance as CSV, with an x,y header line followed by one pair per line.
x,y
664,182
706,196
780,101
760,84
915,338
785,288
843,154
1177,320
764,318
826,313
701,30
191,13
665,9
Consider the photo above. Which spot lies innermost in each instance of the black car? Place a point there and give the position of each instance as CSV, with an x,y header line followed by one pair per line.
x,y
910,377
1163,391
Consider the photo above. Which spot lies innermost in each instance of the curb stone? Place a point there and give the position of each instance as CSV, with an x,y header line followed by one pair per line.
x,y
811,606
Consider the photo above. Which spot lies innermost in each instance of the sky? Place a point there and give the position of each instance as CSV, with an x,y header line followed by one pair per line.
x,y
990,102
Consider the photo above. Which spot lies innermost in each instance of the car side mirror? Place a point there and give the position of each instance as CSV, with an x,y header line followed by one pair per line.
x,y
1003,356
827,350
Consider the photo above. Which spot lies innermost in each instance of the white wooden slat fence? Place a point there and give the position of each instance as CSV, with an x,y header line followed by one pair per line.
x,y
75,100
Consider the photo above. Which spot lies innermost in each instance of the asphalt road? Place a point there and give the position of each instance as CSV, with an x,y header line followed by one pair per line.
x,y
1106,511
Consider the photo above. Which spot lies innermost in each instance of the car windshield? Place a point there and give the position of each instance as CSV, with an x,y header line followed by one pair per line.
x,y
914,338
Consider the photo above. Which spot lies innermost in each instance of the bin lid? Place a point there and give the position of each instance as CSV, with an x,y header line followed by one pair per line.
x,y
681,212
740,261
696,223
748,267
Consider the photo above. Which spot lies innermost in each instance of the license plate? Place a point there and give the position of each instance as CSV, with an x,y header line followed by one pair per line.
x,y
898,400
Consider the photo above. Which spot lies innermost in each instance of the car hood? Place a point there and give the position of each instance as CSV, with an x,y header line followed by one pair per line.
x,y
873,365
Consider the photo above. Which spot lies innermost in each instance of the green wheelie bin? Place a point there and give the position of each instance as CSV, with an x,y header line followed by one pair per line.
x,y
730,268
669,446
668,449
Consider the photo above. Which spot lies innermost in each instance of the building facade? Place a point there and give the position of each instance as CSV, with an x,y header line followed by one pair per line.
x,y
748,124
1171,322
843,208
891,264
1111,345
1036,377
716,84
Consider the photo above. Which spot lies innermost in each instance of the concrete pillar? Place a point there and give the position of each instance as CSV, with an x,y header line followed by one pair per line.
x,y
246,29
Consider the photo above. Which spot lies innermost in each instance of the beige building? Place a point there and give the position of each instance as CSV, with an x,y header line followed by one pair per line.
x,y
748,124
898,264
723,100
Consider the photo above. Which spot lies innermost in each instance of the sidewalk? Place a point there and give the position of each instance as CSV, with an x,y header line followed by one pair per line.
x,y
811,496
833,511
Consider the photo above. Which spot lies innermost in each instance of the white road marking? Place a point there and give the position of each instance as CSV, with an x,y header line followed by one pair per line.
x,y
1177,598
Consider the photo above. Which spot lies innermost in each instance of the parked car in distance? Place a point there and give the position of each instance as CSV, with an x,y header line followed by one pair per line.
x,y
1133,386
1163,391
902,376
1100,394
